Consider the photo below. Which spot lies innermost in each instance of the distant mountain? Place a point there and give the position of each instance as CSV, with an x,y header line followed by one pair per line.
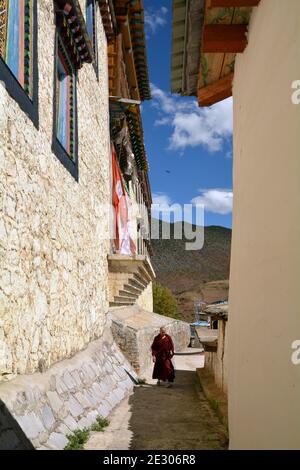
x,y
197,274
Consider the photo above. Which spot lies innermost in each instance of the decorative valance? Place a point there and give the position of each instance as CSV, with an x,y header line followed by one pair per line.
x,y
108,18
73,31
145,186
137,138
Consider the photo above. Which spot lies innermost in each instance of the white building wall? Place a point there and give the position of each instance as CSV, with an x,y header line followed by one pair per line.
x,y
264,385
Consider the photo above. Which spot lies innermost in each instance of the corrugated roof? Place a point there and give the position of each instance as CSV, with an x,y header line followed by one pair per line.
x,y
198,67
186,42
179,23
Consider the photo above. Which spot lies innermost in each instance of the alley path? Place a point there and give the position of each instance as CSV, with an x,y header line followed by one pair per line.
x,y
160,418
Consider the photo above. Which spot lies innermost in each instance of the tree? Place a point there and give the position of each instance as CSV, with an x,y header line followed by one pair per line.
x,y
164,302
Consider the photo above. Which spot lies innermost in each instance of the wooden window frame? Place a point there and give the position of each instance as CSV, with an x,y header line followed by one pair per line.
x,y
94,39
28,104
69,161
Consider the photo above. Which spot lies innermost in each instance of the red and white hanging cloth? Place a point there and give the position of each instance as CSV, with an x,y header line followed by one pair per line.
x,y
122,204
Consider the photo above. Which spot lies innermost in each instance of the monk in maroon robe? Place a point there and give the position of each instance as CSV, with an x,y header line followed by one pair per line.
x,y
162,353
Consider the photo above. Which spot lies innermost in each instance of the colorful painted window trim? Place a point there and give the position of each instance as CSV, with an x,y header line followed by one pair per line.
x,y
92,27
65,101
16,40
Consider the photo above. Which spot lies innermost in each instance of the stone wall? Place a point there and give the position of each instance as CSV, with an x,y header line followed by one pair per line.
x,y
134,329
70,395
145,300
53,266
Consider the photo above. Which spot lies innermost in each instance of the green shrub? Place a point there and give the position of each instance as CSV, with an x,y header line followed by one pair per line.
x,y
164,302
78,439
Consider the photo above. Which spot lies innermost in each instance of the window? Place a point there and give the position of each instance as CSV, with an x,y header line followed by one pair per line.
x,y
72,50
92,29
65,116
18,52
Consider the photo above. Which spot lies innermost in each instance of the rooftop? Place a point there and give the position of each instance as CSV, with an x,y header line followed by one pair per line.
x,y
217,310
207,35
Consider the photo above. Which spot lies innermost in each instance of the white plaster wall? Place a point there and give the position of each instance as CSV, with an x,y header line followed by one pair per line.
x,y
53,266
264,385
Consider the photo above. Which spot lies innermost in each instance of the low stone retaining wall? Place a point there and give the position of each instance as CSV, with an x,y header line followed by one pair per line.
x,y
134,330
46,407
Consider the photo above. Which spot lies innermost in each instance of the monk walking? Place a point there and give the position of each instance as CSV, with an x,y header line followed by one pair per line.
x,y
162,353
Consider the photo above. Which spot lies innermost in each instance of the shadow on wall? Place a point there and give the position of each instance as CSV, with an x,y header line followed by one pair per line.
x,y
177,418
11,435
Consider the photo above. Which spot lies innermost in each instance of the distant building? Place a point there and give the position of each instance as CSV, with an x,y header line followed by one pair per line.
x,y
250,49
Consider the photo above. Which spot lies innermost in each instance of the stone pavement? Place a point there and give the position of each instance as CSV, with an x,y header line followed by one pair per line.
x,y
161,418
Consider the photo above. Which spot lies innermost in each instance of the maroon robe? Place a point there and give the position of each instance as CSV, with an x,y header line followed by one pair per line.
x,y
163,350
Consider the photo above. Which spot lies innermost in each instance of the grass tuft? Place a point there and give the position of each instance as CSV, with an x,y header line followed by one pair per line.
x,y
100,424
79,438
141,381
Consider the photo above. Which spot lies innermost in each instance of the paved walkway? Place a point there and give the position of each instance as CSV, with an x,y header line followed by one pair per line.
x,y
161,418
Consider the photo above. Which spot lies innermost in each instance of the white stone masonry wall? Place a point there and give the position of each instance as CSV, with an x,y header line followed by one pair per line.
x,y
69,396
53,266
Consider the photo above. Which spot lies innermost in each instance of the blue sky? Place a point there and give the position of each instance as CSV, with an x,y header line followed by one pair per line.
x,y
189,148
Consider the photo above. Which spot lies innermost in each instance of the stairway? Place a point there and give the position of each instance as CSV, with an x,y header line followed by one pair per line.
x,y
128,278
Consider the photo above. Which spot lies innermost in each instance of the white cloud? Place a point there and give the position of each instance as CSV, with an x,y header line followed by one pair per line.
x,y
163,207
155,19
161,198
218,201
164,121
193,126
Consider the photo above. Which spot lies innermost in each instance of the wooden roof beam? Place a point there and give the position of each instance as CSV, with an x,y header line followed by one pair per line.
x,y
129,57
218,91
232,3
224,38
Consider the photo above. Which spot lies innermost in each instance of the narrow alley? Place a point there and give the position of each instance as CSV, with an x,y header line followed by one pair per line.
x,y
149,223
161,418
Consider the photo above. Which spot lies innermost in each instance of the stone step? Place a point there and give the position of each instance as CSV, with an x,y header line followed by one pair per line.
x,y
136,283
145,274
133,289
140,279
130,295
119,304
124,300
